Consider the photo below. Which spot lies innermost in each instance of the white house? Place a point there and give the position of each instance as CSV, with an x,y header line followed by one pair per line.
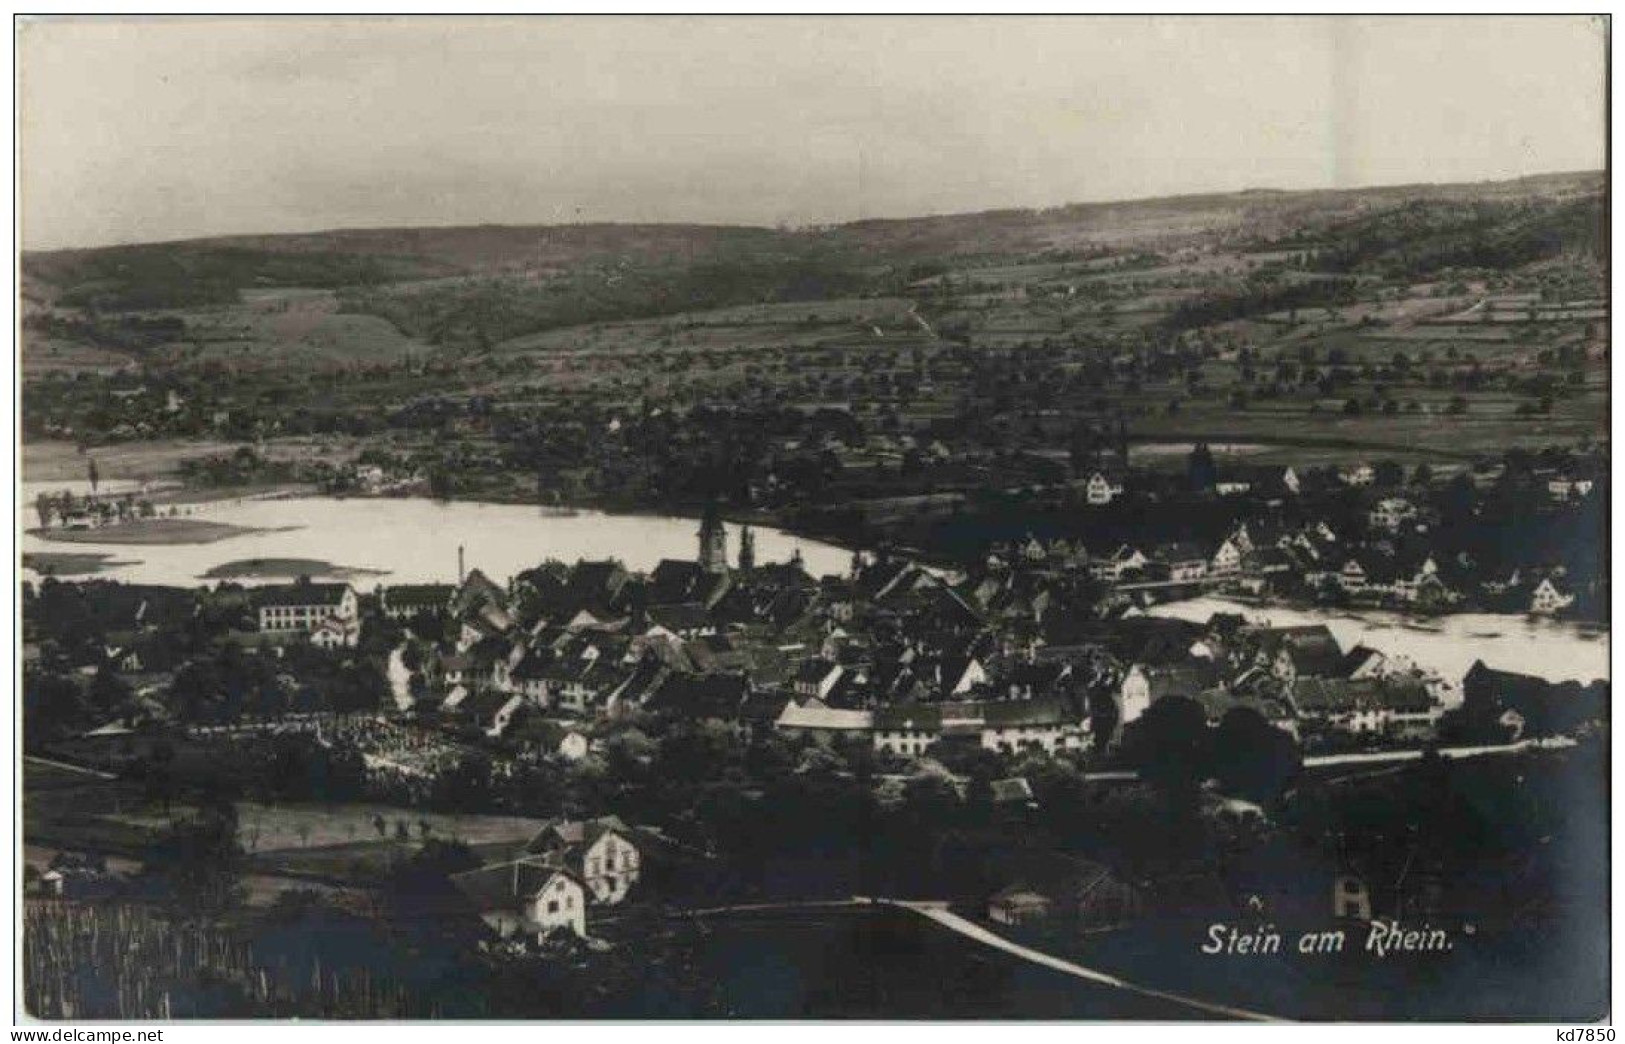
x,y
821,722
1548,598
306,607
1227,559
1185,562
599,852
336,633
1358,475
526,896
1390,513
1562,489
1125,559
1009,726
1101,490
907,729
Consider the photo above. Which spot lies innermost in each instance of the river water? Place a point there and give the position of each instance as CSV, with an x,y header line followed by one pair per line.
x,y
1552,649
415,540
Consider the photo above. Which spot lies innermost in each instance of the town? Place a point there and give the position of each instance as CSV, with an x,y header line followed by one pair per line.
x,y
640,721
953,616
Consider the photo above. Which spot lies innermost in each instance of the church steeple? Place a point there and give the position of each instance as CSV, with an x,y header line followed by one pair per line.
x,y
713,541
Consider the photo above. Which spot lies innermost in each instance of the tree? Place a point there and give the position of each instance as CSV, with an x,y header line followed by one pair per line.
x,y
1201,469
196,863
1251,758
1389,474
43,504
1104,716
1171,746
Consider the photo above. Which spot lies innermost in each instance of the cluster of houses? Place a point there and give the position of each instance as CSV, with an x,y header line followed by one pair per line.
x,y
567,868
1011,658
1392,564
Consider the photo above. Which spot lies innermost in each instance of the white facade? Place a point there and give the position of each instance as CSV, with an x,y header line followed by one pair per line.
x,y
1547,599
1134,694
1391,513
310,617
611,867
560,903
1101,491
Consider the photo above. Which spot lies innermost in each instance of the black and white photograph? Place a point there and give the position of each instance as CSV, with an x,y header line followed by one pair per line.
x,y
818,518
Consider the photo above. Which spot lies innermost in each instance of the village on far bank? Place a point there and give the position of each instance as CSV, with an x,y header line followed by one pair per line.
x,y
562,694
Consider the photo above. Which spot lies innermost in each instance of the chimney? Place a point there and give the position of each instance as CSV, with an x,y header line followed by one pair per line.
x,y
459,565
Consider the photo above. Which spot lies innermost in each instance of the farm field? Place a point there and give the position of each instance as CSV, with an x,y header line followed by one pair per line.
x,y
590,365
288,845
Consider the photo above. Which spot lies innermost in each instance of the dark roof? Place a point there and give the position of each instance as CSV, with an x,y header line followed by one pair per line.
x,y
1218,702
1314,696
915,717
815,670
302,594
1356,658
1011,713
929,717
674,580
418,594
763,708
688,616
502,886
702,695
533,666
557,833
1313,649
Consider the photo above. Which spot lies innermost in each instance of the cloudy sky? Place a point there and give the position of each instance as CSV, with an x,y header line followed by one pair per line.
x,y
137,130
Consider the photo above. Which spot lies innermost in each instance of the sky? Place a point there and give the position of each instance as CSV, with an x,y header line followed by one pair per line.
x,y
137,130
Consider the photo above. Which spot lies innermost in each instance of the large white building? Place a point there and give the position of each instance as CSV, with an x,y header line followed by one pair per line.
x,y
330,611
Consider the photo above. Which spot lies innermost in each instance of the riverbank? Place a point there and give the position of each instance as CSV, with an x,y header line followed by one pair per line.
x,y
285,569
1554,650
1418,617
72,563
152,532
401,540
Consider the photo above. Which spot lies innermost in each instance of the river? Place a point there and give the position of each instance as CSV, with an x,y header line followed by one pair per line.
x,y
1556,650
415,540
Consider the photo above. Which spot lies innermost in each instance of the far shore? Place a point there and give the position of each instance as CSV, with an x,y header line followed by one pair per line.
x,y
150,531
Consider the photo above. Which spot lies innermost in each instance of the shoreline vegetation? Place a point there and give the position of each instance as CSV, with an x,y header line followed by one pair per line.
x,y
286,569
72,563
159,531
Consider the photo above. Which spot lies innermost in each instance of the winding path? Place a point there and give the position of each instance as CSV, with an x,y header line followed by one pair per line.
x,y
939,913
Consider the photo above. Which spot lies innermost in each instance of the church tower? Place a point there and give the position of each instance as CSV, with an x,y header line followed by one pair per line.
x,y
713,541
747,549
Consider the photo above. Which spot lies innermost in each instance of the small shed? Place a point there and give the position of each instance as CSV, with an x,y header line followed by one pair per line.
x,y
1019,904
